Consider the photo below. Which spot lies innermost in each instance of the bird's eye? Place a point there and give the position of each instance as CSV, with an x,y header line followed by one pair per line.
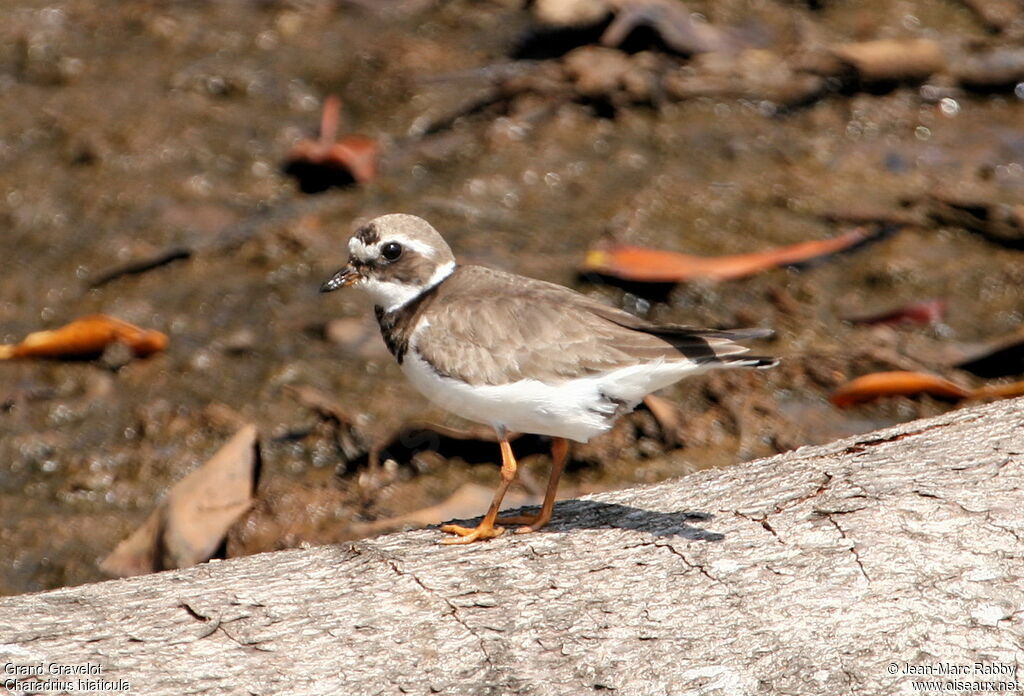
x,y
391,251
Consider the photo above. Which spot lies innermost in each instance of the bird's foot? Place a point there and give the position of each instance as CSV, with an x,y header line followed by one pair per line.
x,y
467,535
531,523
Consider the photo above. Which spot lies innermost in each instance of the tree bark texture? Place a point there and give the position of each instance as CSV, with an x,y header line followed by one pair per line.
x,y
810,572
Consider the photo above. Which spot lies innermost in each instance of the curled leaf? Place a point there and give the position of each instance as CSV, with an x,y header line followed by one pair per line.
x,y
191,523
358,154
317,163
880,384
924,312
658,266
673,22
86,338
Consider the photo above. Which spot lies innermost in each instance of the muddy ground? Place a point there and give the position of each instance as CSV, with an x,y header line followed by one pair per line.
x,y
129,128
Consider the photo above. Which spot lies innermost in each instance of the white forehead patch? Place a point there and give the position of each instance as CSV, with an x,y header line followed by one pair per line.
x,y
362,251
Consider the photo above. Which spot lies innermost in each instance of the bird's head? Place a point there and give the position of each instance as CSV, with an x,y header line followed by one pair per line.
x,y
394,259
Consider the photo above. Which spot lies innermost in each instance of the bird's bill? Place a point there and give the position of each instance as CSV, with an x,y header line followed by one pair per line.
x,y
342,279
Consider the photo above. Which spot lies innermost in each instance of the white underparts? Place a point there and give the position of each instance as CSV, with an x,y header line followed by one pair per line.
x,y
577,409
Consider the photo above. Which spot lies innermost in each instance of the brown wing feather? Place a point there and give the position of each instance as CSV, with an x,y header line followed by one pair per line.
x,y
489,327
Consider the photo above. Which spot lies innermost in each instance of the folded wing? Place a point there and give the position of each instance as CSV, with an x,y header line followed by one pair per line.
x,y
527,329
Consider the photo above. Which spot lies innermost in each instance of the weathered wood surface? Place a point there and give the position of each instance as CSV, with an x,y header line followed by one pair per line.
x,y
804,573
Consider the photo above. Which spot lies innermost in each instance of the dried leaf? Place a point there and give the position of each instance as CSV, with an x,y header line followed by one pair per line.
x,y
312,161
893,60
1001,358
137,555
322,403
86,338
191,523
358,154
669,418
203,505
658,266
879,384
999,391
673,22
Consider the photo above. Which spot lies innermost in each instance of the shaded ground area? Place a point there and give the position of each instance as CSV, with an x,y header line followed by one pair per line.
x,y
144,126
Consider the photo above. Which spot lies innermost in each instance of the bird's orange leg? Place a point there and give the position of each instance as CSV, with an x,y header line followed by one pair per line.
x,y
486,528
559,455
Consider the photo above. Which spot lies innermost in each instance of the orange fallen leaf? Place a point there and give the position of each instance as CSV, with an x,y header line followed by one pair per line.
x,y
84,338
358,154
881,384
355,154
659,266
999,391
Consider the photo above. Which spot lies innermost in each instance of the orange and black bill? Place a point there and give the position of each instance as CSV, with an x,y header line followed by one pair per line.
x,y
342,279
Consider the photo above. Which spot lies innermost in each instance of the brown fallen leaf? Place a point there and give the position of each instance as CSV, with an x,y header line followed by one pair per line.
x,y
669,417
1000,358
322,403
892,60
924,312
673,22
191,523
658,266
86,338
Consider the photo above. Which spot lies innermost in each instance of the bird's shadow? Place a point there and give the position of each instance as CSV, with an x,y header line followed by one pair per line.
x,y
591,514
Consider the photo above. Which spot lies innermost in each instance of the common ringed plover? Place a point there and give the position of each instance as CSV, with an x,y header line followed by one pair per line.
x,y
518,354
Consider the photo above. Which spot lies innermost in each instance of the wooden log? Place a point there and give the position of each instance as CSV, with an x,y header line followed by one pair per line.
x,y
822,570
